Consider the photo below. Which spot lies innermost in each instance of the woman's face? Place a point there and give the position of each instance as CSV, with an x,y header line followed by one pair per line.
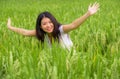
x,y
47,25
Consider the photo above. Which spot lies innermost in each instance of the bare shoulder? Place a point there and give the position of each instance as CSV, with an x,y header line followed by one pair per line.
x,y
33,32
67,28
30,32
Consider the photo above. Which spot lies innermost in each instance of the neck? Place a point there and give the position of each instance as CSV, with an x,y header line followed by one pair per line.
x,y
50,37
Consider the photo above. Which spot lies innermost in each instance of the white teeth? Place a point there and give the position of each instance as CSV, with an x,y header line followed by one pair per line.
x,y
49,29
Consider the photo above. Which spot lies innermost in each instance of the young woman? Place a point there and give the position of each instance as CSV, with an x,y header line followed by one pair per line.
x,y
48,29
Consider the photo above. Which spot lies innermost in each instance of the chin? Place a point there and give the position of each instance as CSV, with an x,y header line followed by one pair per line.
x,y
48,31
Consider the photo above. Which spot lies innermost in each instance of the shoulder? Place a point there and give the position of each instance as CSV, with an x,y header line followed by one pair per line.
x,y
61,29
31,32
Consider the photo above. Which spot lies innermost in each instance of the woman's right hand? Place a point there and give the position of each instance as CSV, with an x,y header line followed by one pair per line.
x,y
9,23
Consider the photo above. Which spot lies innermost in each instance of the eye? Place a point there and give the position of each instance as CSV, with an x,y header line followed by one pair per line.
x,y
50,21
44,23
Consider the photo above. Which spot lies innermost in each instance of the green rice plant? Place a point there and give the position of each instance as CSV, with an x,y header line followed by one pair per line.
x,y
95,54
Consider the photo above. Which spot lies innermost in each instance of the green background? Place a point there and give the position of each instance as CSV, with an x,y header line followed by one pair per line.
x,y
96,52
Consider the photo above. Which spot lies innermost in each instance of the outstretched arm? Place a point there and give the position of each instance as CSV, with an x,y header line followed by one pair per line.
x,y
21,30
92,9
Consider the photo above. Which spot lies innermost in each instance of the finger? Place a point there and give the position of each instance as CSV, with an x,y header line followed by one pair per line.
x,y
9,22
90,5
9,19
97,6
94,5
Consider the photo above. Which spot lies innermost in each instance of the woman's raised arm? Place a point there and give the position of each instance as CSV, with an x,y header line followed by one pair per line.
x,y
92,9
20,30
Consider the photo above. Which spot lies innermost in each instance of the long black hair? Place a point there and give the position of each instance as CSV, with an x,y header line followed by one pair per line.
x,y
40,34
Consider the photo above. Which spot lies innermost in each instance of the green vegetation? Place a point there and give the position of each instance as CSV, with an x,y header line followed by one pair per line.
x,y
96,53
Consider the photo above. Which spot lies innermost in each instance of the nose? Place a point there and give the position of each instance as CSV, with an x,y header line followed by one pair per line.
x,y
48,24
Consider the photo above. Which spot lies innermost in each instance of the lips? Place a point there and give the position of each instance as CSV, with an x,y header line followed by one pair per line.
x,y
49,29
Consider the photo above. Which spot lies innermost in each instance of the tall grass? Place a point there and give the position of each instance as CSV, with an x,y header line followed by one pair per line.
x,y
96,51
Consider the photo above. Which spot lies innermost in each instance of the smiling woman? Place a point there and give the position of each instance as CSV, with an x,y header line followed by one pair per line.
x,y
47,27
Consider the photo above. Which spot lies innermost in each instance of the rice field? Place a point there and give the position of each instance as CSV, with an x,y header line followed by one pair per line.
x,y
96,51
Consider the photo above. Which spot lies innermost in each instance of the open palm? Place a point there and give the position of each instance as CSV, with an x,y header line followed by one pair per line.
x,y
9,23
93,8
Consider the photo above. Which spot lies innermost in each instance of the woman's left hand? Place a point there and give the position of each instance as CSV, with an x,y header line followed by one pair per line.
x,y
92,9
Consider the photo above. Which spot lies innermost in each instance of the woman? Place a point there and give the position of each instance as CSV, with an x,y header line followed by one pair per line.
x,y
47,27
